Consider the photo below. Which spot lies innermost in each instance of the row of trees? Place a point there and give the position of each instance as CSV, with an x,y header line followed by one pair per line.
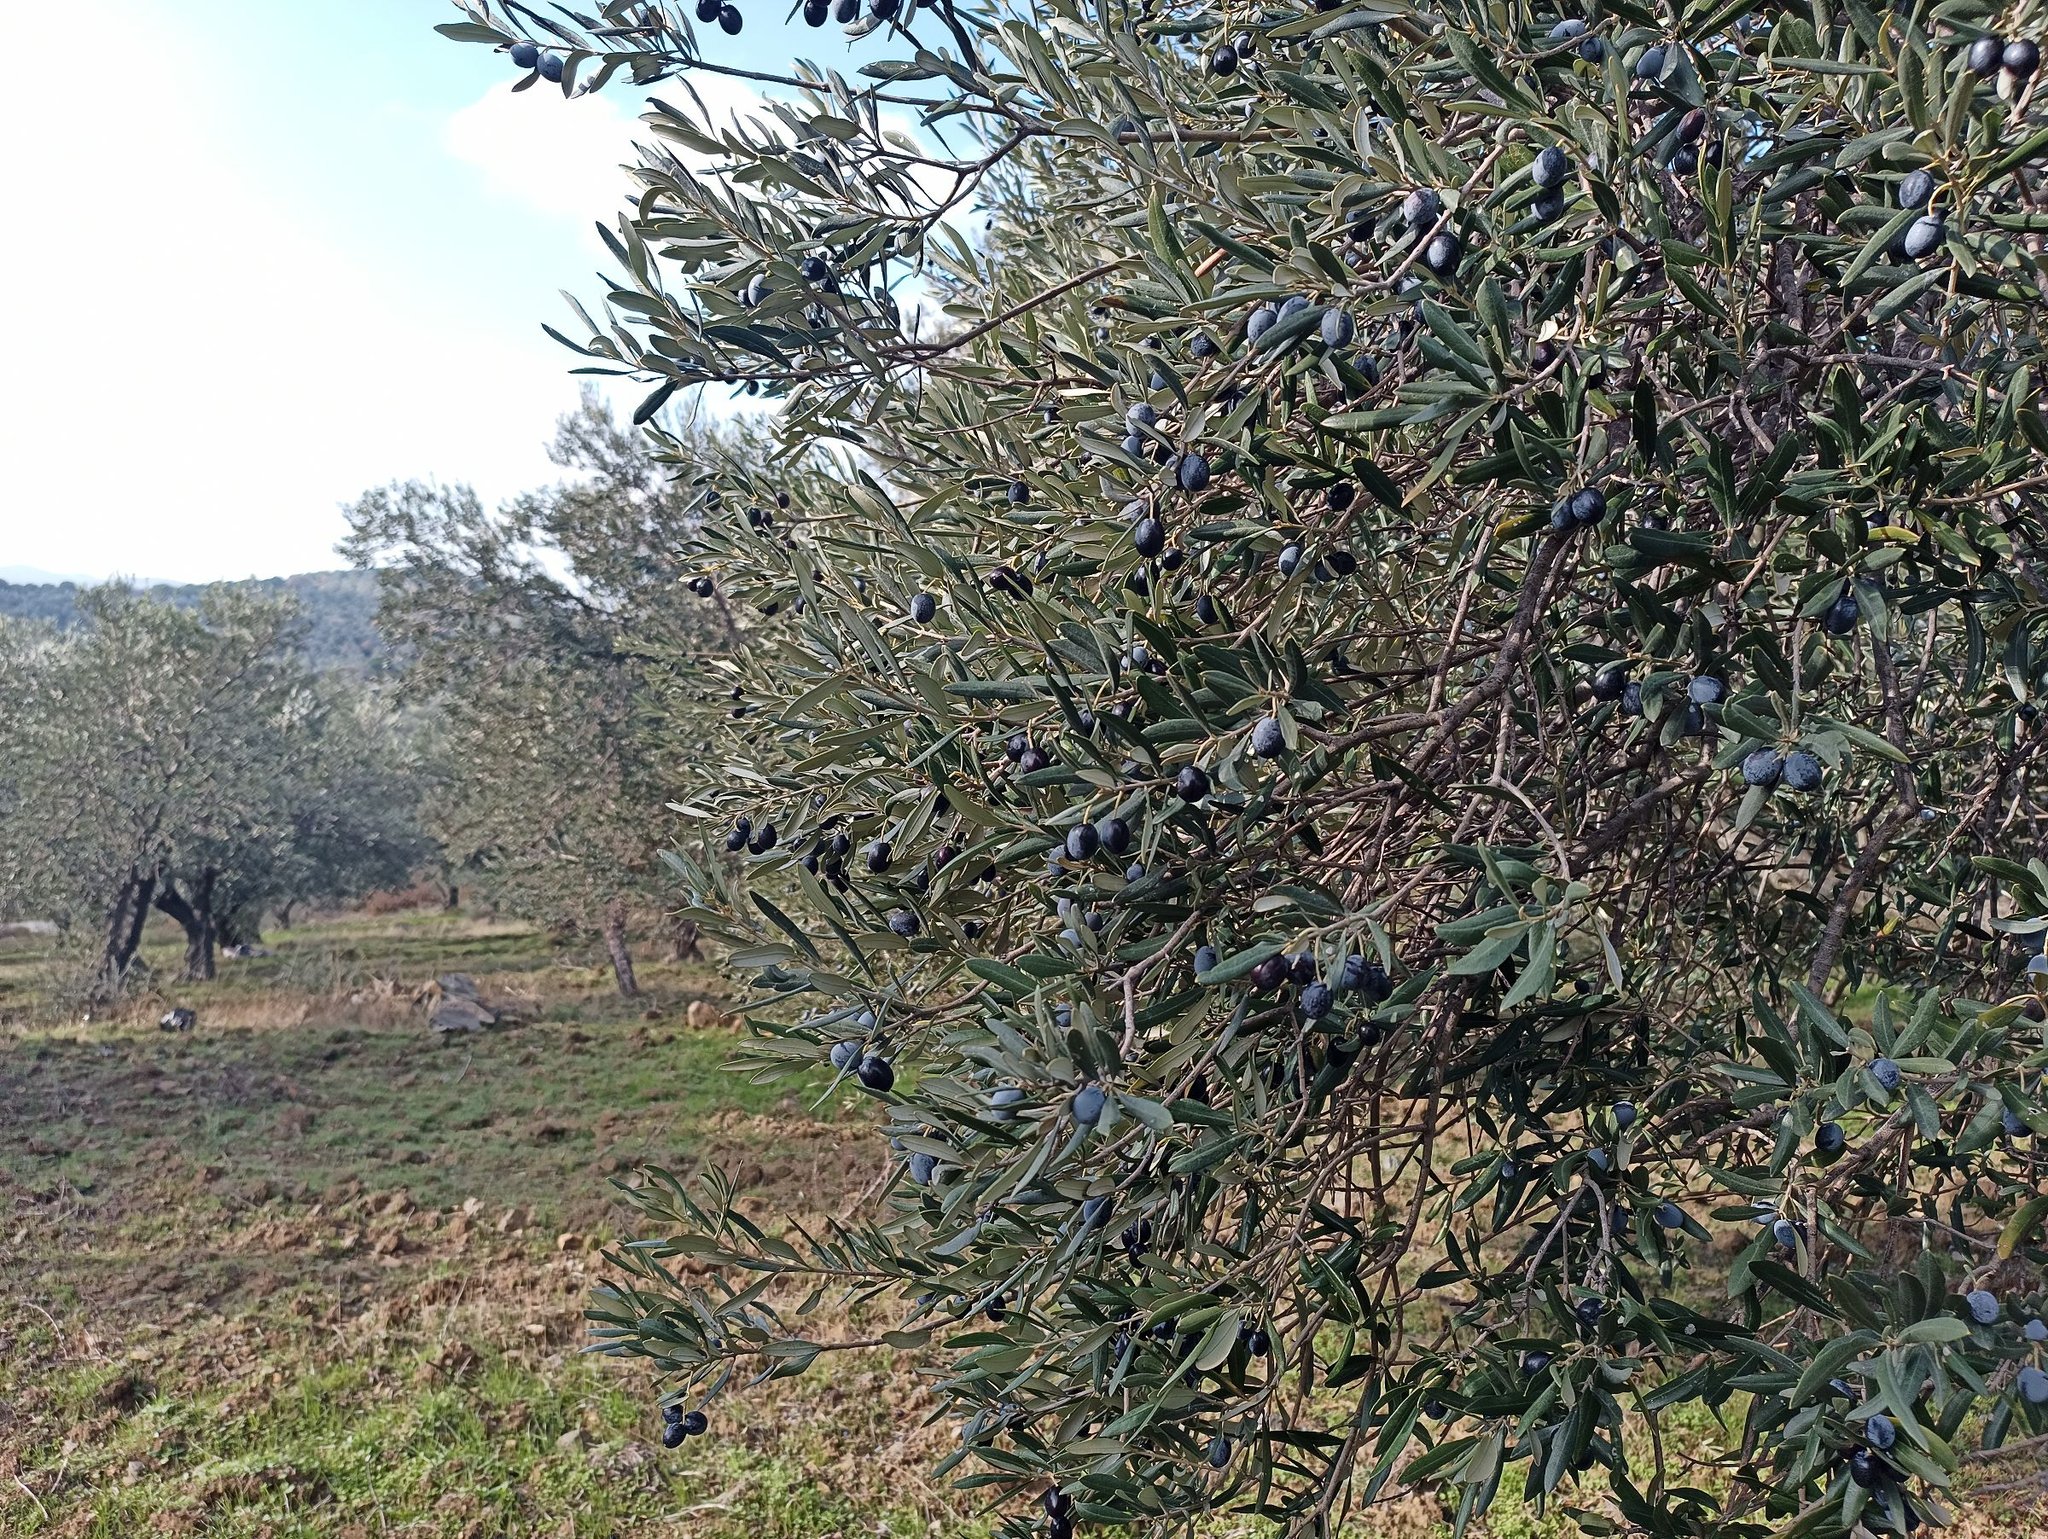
x,y
1343,726
336,611
187,760
182,754
537,636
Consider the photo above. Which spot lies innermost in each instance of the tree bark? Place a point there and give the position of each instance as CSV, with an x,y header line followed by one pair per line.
x,y
124,930
196,919
1850,889
138,916
684,940
199,958
615,945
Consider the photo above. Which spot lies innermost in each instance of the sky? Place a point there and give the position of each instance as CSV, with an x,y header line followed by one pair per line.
x,y
264,255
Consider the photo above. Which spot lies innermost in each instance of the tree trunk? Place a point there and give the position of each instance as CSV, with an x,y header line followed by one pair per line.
x,y
124,930
284,913
196,920
615,944
684,940
199,961
138,916
241,927
454,899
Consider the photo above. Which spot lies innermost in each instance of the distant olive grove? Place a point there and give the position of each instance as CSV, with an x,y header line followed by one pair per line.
x,y
337,611
544,638
157,758
487,702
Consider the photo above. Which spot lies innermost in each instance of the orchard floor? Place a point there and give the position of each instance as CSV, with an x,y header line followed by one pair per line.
x,y
310,1271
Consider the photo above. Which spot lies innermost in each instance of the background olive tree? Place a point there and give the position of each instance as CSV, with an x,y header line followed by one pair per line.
x,y
350,821
158,757
531,635
1407,602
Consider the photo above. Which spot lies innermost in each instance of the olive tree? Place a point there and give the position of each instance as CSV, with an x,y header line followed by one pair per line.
x,y
1397,745
531,634
348,819
182,760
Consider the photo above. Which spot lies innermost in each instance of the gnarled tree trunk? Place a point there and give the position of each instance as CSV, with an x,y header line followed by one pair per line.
x,y
124,930
241,927
196,919
615,945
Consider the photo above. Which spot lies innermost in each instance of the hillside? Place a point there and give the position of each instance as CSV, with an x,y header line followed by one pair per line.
x,y
340,609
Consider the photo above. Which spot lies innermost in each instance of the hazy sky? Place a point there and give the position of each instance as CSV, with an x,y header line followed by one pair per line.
x,y
265,254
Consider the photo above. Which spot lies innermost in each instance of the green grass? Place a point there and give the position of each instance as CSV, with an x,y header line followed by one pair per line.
x,y
488,1452
521,1109
506,1449
292,1358
327,957
218,1325
311,1270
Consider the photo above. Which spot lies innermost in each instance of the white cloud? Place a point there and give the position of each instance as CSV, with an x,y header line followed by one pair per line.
x,y
563,157
203,365
196,377
533,147
558,157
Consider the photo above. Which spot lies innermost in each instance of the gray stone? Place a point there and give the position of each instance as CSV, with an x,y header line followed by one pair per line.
x,y
460,1012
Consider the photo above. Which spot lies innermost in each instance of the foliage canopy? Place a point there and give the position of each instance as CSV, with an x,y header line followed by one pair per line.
x,y
1339,699
337,611
532,635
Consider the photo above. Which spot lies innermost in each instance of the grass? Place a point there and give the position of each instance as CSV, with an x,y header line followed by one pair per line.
x,y
310,1270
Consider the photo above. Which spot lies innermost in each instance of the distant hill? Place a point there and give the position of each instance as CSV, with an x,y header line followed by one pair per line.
x,y
340,609
36,574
